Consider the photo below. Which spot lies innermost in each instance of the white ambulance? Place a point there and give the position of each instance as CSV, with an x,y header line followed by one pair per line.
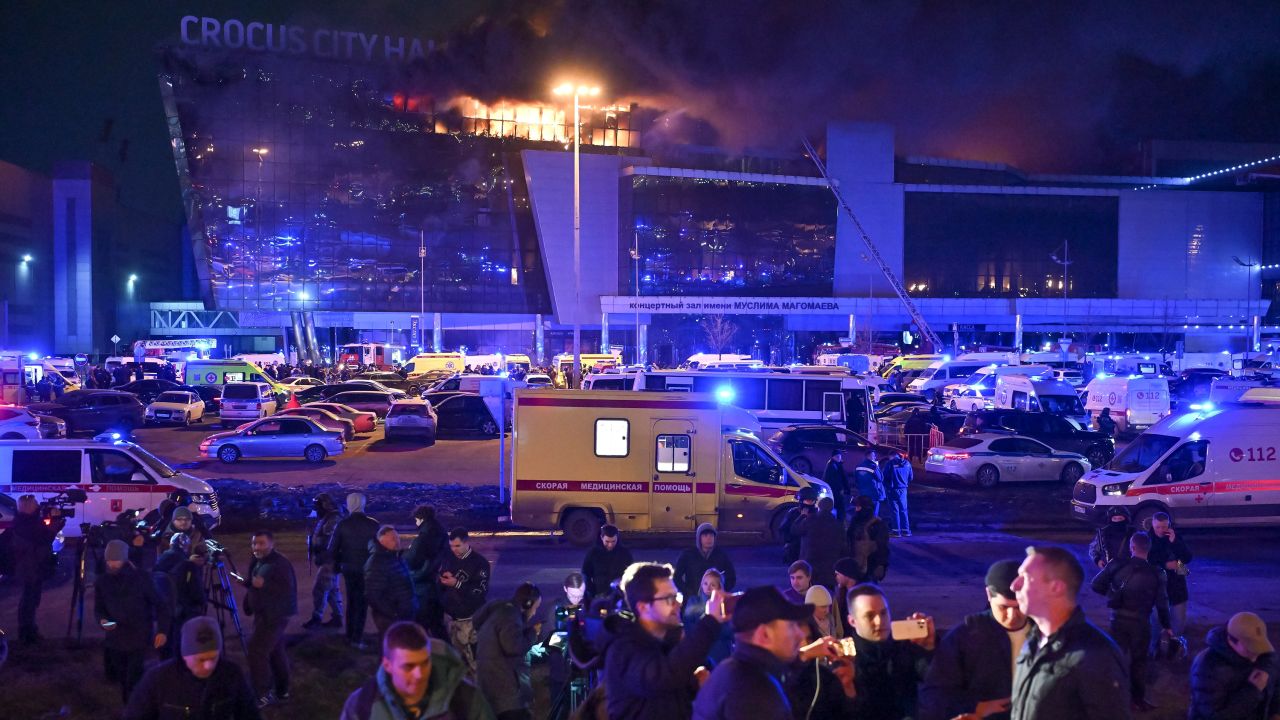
x,y
1214,466
655,461
1039,393
1136,402
115,476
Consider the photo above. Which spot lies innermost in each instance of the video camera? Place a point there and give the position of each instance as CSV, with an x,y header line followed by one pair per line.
x,y
64,503
126,527
217,551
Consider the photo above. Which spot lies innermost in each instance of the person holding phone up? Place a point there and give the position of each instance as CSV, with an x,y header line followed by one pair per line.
x,y
892,657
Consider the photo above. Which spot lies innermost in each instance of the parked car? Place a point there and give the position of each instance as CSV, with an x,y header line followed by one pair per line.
x,y
1055,431
465,412
389,380
148,390
538,380
890,398
324,419
310,393
177,406
95,410
275,437
247,401
19,423
364,421
988,459
300,381
416,384
210,394
377,402
808,448
411,417
356,385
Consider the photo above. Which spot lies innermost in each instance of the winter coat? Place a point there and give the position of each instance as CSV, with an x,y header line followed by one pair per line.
x,y
787,529
836,479
277,600
972,663
1163,551
1111,542
188,587
1132,588
450,695
747,685
32,545
1220,687
692,564
502,640
128,598
900,473
651,679
349,546
169,691
870,481
473,571
321,534
868,538
388,586
601,567
821,545
424,554
1079,674
887,675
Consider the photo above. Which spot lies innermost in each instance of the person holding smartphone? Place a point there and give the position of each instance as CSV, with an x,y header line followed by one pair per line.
x,y
131,615
892,657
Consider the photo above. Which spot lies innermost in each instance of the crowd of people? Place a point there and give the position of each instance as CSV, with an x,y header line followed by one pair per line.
x,y
672,642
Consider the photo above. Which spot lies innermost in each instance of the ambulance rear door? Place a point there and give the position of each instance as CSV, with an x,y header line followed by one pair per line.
x,y
672,495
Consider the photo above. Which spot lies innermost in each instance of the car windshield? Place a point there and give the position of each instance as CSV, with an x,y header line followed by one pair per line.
x,y
1142,453
1061,404
155,463
174,397
927,372
240,392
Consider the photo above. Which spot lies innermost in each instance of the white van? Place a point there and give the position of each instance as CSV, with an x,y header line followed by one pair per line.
x,y
114,475
945,372
244,401
977,391
1038,393
610,381
1229,389
1136,403
1210,467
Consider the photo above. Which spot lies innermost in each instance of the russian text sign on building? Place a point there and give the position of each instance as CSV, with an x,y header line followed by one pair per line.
x,y
729,305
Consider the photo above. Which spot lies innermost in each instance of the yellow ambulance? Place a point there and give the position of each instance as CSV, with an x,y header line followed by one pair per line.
x,y
653,461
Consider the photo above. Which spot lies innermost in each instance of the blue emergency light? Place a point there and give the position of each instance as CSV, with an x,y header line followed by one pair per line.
x,y
724,394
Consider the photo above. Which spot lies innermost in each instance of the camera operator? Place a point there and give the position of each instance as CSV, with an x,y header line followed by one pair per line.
x,y
129,611
32,550
649,667
189,598
272,599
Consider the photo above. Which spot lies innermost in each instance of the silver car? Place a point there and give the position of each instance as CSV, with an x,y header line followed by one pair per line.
x,y
992,458
287,436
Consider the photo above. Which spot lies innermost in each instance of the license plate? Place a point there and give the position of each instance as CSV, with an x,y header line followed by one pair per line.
x,y
162,414
1079,509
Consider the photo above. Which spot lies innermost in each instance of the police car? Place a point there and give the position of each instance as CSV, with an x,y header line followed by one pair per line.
x,y
989,459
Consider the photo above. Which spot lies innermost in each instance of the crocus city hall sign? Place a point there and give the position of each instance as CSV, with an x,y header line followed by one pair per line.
x,y
299,40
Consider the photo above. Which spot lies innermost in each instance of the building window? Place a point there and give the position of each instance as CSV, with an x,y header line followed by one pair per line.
x,y
612,437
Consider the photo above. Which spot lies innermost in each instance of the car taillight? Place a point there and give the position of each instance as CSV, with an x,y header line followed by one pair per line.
x,y
955,456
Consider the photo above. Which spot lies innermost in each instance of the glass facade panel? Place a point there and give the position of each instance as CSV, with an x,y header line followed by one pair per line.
x,y
991,245
721,237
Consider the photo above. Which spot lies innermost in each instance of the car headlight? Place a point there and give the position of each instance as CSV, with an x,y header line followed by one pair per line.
x,y
1116,489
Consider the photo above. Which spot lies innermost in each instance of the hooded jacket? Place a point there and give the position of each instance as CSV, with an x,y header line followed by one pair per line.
x,y
128,598
450,696
502,640
693,564
387,584
1111,542
1220,687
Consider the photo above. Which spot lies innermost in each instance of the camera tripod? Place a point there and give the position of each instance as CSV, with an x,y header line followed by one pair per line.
x,y
217,588
75,613
573,692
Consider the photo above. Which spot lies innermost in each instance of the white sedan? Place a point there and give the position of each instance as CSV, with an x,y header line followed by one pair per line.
x,y
175,406
300,381
992,458
18,423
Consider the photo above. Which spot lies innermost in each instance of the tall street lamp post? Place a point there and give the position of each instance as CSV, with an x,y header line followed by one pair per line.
x,y
577,91
1249,338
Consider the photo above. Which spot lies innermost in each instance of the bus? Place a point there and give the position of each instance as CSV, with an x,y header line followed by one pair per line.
x,y
778,399
383,356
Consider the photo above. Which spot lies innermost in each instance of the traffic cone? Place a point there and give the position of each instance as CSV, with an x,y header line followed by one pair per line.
x,y
293,402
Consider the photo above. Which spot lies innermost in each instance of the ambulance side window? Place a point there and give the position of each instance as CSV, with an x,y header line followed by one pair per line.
x,y
109,466
46,466
612,437
673,453
1185,463
754,464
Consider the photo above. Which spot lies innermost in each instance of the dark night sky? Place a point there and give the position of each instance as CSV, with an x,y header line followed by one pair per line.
x,y
1054,87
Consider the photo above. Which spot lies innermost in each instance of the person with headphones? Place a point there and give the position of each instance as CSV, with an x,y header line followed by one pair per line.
x,y
505,631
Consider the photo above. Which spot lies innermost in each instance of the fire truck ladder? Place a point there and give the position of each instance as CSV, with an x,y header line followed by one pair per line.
x,y
916,317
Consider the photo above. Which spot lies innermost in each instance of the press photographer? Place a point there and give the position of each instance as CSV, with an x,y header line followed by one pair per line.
x,y
35,528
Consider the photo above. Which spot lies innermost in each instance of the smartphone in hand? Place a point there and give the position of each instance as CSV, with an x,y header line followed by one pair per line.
x,y
909,629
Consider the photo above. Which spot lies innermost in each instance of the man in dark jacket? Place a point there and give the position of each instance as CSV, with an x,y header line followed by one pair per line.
x,y
387,582
271,599
971,675
694,562
423,557
605,562
189,597
868,539
464,583
1169,551
836,479
1133,588
807,500
1234,677
325,590
821,543
1111,541
869,481
349,550
419,678
1068,669
648,667
767,631
200,685
887,671
129,611
505,631
31,549
897,480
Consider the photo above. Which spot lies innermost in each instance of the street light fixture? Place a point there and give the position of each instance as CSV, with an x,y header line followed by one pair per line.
x,y
577,91
27,259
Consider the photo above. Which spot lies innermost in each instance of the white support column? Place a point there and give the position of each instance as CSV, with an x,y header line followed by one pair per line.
x,y
604,333
437,333
539,344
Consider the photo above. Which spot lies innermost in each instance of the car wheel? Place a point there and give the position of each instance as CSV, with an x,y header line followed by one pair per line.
x,y
581,526
1098,456
489,427
1142,518
429,440
228,454
413,389
988,476
1071,473
314,454
801,464
775,522
953,405
186,420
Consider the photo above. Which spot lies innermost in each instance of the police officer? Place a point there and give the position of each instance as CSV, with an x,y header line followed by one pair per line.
x,y
32,549
1133,587
326,589
835,478
870,481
